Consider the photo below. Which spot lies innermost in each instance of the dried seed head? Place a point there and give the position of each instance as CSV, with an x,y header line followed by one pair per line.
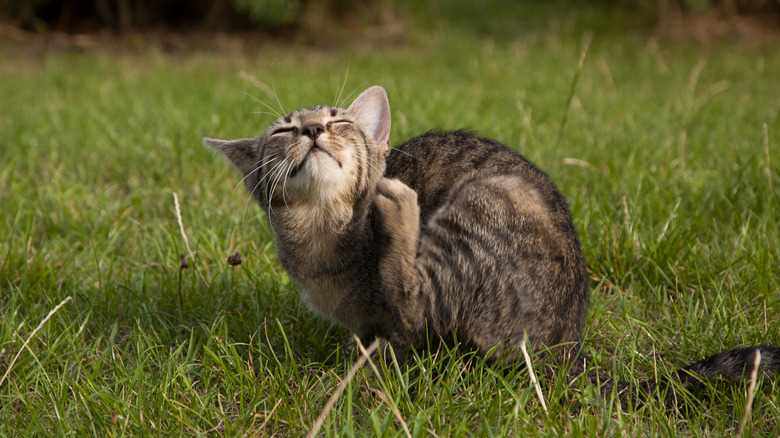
x,y
183,262
234,259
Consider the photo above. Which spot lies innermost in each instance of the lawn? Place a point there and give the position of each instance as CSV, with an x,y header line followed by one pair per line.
x,y
668,155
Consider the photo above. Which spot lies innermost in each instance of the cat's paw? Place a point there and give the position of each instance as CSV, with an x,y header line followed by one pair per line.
x,y
398,229
397,205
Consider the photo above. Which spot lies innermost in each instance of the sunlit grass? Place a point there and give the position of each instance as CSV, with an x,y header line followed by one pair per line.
x,y
662,159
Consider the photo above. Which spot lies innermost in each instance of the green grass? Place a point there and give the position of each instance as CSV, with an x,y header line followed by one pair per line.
x,y
662,159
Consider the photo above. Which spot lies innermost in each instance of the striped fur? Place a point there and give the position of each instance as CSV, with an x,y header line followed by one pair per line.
x,y
448,235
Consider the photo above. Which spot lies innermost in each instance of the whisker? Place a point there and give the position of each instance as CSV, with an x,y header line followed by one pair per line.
x,y
275,172
405,153
362,84
274,112
287,170
269,193
252,193
283,174
274,169
265,112
261,166
246,205
391,149
373,166
275,183
376,169
256,82
370,163
276,95
265,162
338,102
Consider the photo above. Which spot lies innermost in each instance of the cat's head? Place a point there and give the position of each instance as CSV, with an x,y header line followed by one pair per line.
x,y
316,155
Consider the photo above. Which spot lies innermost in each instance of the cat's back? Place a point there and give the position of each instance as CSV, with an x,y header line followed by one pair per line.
x,y
435,162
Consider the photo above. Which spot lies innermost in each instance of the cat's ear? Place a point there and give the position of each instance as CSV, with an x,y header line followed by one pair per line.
x,y
241,152
372,113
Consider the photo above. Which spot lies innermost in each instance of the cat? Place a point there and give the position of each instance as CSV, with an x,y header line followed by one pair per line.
x,y
450,236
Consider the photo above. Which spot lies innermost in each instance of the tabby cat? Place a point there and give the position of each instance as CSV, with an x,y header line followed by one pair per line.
x,y
450,235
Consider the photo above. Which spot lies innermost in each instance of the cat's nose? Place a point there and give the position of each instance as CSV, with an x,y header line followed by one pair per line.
x,y
313,130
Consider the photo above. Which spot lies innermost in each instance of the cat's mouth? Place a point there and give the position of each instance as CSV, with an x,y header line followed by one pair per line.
x,y
313,150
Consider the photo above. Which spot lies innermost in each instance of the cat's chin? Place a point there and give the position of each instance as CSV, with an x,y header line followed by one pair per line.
x,y
315,153
319,166
319,175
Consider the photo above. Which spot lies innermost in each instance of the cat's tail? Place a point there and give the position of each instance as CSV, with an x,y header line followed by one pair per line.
x,y
734,365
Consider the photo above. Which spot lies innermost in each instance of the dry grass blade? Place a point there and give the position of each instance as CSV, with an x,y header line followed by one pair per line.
x,y
29,338
382,395
751,393
395,410
181,224
531,372
184,235
365,354
269,415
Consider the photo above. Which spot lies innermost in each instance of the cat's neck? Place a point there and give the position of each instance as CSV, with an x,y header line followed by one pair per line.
x,y
330,256
314,241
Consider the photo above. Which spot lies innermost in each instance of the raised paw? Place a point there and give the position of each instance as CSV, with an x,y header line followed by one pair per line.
x,y
398,229
397,205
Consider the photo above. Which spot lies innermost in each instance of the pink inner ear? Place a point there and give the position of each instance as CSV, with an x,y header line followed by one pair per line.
x,y
372,113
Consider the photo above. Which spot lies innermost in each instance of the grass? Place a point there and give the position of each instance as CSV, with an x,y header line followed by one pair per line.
x,y
662,159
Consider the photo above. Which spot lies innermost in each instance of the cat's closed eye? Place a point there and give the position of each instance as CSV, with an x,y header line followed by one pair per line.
x,y
291,129
329,125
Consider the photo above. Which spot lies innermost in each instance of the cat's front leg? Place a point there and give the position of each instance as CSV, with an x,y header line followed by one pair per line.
x,y
398,230
399,227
